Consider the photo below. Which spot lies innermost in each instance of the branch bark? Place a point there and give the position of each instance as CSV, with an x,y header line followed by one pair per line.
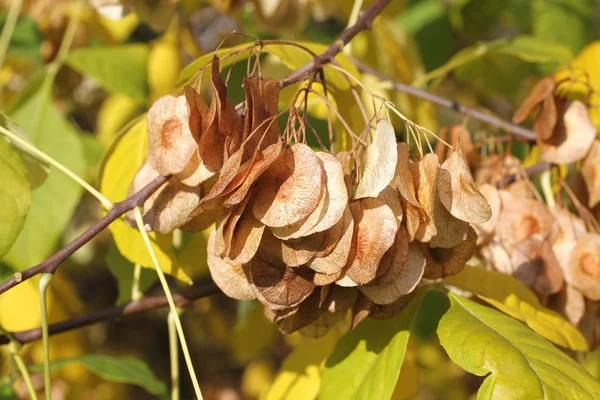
x,y
195,292
441,101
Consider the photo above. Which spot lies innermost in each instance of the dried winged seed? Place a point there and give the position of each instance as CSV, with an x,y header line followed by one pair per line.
x,y
289,189
323,279
225,226
404,283
404,178
345,280
230,278
143,177
301,251
583,270
442,262
380,162
195,172
391,197
170,141
339,298
535,265
497,256
458,193
198,112
521,217
455,135
426,173
450,230
378,311
337,242
360,310
245,239
571,143
412,218
270,250
197,222
307,313
590,170
393,260
276,287
546,119
542,90
323,324
172,207
485,231
345,158
262,96
570,227
569,302
375,227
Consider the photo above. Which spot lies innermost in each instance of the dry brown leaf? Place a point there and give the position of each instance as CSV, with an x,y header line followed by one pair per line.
x,y
337,242
375,227
541,91
278,288
590,170
485,231
404,178
583,270
230,278
572,137
172,207
170,141
535,265
441,262
289,189
404,283
458,192
380,162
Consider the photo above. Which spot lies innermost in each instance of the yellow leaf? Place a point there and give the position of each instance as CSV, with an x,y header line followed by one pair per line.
x,y
164,65
20,306
120,168
193,256
113,114
512,297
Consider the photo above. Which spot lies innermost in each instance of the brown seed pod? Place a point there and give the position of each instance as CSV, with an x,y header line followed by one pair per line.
x,y
322,324
541,94
245,238
455,135
572,137
278,288
143,177
590,170
425,173
383,311
360,310
393,260
583,270
441,262
195,172
297,252
172,207
535,265
405,282
458,192
289,189
307,313
339,298
337,242
230,278
404,178
485,231
375,228
497,256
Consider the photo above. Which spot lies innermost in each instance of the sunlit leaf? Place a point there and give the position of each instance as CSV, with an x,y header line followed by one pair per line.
x,y
482,340
512,297
120,69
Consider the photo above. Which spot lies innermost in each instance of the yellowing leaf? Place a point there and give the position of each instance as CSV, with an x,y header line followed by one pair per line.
x,y
512,297
119,169
522,364
380,162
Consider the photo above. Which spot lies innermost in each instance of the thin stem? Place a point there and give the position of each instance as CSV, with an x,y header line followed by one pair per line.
x,y
165,285
546,184
174,355
44,282
106,203
9,27
136,293
13,348
353,18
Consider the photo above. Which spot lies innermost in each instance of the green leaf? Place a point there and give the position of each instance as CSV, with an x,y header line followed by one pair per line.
x,y
26,40
121,165
15,196
122,270
592,363
512,297
6,391
366,362
52,203
123,370
120,69
563,21
523,365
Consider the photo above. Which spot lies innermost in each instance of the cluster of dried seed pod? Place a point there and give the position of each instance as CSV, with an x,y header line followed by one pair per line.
x,y
291,227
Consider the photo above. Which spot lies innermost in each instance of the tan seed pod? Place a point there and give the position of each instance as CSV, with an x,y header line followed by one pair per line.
x,y
535,265
319,327
393,260
383,311
425,173
571,303
455,135
301,251
331,259
412,218
195,172
380,162
289,189
262,98
375,228
485,230
307,313
172,207
278,288
450,230
345,158
590,170
245,239
170,141
143,177
495,253
361,310
572,138
339,299
441,262
198,112
570,227
321,279
583,270
404,178
404,283
541,94
458,192
230,278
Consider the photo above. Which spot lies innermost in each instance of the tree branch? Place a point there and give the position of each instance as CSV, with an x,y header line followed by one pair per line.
x,y
52,263
193,293
441,101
